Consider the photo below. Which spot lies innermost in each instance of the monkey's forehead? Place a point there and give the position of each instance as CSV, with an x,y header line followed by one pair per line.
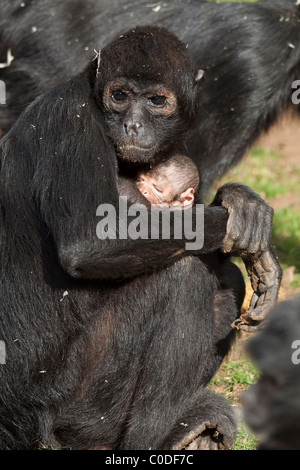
x,y
150,57
149,41
137,85
154,71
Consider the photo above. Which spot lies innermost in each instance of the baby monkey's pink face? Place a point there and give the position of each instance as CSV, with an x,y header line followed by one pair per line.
x,y
153,189
156,186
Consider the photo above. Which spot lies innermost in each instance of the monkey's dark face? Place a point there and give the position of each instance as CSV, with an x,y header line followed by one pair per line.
x,y
142,119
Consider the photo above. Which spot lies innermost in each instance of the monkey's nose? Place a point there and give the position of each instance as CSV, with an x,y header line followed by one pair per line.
x,y
132,127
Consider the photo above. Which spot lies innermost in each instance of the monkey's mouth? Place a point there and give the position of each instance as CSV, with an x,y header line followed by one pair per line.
x,y
135,147
136,153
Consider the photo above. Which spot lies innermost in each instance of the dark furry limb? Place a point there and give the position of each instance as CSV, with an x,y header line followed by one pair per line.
x,y
272,405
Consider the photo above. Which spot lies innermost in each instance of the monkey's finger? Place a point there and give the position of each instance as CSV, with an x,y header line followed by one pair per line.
x,y
253,300
258,314
250,328
260,306
261,232
232,232
228,244
265,275
244,326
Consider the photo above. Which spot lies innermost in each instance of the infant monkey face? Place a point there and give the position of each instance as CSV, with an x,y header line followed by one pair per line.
x,y
159,191
153,190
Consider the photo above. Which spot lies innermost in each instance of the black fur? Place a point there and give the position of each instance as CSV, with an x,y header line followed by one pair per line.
x,y
246,51
105,339
272,405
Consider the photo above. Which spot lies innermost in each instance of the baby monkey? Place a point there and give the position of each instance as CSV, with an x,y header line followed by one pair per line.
x,y
171,183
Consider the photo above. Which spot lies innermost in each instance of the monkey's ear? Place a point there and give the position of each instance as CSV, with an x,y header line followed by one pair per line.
x,y
199,75
187,197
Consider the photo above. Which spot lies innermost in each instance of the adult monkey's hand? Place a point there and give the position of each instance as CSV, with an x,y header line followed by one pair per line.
x,y
248,235
265,275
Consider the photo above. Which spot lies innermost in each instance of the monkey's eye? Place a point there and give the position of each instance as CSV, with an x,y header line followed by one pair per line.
x,y
158,100
119,96
159,190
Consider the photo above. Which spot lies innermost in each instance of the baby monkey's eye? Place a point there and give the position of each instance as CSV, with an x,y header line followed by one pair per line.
x,y
158,100
119,96
159,190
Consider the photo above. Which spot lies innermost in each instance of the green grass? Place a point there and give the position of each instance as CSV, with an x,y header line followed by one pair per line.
x,y
286,237
245,440
234,377
266,174
231,381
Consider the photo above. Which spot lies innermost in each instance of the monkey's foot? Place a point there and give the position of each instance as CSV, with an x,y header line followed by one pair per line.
x,y
209,425
205,437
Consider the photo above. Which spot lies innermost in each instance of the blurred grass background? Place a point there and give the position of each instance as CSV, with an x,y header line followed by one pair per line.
x,y
272,169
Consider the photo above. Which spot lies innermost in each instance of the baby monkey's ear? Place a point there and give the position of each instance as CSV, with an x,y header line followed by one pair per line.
x,y
199,75
187,197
